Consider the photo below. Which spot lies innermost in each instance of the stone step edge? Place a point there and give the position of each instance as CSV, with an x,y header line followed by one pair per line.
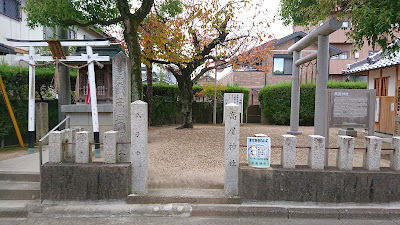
x,y
19,176
209,210
155,199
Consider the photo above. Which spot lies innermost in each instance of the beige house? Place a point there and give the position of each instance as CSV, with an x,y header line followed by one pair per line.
x,y
349,54
280,71
382,72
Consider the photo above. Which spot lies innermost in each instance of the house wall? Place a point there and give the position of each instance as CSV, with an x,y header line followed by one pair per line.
x,y
338,39
386,72
18,29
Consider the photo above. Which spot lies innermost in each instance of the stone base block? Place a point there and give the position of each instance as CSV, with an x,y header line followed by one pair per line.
x,y
77,182
348,132
330,185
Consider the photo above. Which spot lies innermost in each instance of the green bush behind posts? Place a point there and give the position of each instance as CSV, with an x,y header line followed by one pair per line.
x,y
275,100
167,108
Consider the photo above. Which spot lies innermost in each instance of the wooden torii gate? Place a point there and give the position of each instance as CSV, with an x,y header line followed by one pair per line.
x,y
89,57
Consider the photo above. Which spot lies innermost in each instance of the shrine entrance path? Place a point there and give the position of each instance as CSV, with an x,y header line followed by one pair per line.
x,y
194,158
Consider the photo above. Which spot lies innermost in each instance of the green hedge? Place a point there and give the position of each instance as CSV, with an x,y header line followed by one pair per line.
x,y
275,100
167,109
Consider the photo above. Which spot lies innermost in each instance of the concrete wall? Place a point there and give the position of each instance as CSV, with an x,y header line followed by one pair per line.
x,y
306,185
81,116
77,182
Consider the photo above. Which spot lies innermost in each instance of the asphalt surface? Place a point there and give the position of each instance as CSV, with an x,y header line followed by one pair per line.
x,y
190,221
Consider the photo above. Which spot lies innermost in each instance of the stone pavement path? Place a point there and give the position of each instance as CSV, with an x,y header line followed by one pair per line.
x,y
190,221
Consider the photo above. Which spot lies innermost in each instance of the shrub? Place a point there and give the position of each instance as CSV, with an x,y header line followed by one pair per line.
x,y
276,100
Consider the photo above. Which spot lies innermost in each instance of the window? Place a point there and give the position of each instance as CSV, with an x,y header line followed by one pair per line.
x,y
343,55
282,64
71,34
384,88
48,33
10,8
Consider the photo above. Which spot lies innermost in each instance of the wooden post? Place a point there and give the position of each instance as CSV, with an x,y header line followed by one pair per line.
x,y
31,104
93,101
10,111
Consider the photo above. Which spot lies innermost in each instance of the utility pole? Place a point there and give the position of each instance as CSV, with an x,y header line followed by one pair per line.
x,y
215,90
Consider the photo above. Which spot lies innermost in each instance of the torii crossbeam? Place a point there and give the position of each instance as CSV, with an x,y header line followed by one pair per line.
x,y
89,57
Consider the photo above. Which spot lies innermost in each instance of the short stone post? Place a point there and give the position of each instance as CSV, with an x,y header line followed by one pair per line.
x,y
344,159
372,157
232,133
395,155
83,153
139,137
316,154
56,146
121,99
42,121
70,138
288,154
110,146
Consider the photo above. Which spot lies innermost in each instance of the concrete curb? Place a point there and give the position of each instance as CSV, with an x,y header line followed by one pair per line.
x,y
116,209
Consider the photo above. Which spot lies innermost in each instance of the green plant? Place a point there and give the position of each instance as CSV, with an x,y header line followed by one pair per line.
x,y
276,100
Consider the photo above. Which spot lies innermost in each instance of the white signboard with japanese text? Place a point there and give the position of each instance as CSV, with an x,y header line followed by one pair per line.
x,y
236,98
259,152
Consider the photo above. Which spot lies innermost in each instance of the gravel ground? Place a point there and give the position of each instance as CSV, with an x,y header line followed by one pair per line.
x,y
194,158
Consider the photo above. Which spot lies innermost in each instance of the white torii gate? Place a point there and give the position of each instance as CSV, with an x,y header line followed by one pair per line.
x,y
89,57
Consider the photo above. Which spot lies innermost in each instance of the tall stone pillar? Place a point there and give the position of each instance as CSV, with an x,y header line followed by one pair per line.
x,y
139,138
295,99
121,100
64,83
232,133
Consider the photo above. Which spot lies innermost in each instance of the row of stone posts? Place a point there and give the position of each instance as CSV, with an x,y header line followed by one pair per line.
x,y
75,143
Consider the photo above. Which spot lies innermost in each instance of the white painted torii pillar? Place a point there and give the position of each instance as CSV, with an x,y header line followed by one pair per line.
x,y
88,57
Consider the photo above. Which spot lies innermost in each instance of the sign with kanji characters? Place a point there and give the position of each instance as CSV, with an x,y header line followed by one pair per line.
x,y
236,98
259,151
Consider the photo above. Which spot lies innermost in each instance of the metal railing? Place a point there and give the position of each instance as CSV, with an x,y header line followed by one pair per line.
x,y
67,125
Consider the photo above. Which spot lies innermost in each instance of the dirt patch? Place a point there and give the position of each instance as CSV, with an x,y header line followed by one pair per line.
x,y
194,158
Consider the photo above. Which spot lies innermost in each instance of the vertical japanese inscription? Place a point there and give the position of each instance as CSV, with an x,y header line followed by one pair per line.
x,y
232,132
121,101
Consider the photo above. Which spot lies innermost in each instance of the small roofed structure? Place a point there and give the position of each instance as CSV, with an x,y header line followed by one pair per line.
x,y
382,71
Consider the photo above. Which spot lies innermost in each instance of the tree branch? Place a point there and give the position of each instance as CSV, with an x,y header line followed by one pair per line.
x,y
144,9
72,22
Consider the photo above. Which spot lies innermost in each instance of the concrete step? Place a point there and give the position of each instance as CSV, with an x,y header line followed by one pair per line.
x,y
19,176
194,196
14,208
19,190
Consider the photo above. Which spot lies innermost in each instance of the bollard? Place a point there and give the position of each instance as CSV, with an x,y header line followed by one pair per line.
x,y
232,133
139,138
83,153
372,157
56,146
316,154
288,154
344,159
395,155
110,146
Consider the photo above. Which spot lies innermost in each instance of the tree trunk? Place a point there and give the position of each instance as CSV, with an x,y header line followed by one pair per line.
x,y
149,73
185,87
1,142
132,41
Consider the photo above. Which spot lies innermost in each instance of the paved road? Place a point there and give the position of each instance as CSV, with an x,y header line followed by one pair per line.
x,y
188,220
